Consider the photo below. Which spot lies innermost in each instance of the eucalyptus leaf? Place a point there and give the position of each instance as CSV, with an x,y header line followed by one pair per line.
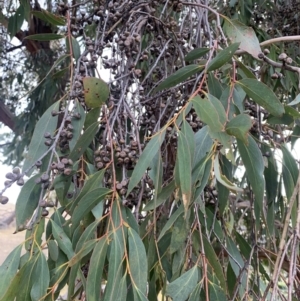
x,y
223,57
179,76
37,147
262,95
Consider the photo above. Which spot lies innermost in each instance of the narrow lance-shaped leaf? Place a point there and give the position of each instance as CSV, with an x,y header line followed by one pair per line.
x,y
208,113
239,126
41,278
22,280
137,261
254,164
185,170
91,183
77,125
84,141
216,292
181,288
222,178
86,249
45,37
179,234
115,270
219,107
214,262
37,147
179,76
223,57
196,54
171,221
15,22
262,95
145,159
295,101
9,269
27,202
62,239
49,17
87,203
239,32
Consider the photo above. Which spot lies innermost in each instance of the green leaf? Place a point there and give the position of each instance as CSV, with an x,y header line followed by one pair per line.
x,y
41,278
9,269
27,201
185,170
254,164
75,48
49,17
295,101
77,125
86,249
214,262
203,145
195,295
44,37
88,234
94,278
222,137
84,141
115,269
222,179
289,171
214,86
239,126
196,54
156,173
179,76
62,239
226,168
181,288
96,91
179,234
92,182
238,32
37,147
208,113
216,293
262,95
137,261
292,112
53,250
15,22
284,119
219,107
23,281
170,222
201,176
244,71
145,159
91,117
161,197
87,203
271,174
223,57
235,256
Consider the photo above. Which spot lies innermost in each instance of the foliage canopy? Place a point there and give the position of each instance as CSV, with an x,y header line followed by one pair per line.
x,y
160,160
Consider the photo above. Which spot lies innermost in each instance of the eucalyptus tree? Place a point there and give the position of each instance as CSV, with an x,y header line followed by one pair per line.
x,y
160,164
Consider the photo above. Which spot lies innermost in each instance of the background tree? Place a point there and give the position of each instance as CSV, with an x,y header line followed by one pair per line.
x,y
174,177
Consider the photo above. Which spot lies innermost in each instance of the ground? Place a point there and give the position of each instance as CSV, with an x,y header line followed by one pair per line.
x,y
8,240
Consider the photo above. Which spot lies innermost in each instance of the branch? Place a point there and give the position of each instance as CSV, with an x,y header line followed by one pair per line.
x,y
6,116
14,48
